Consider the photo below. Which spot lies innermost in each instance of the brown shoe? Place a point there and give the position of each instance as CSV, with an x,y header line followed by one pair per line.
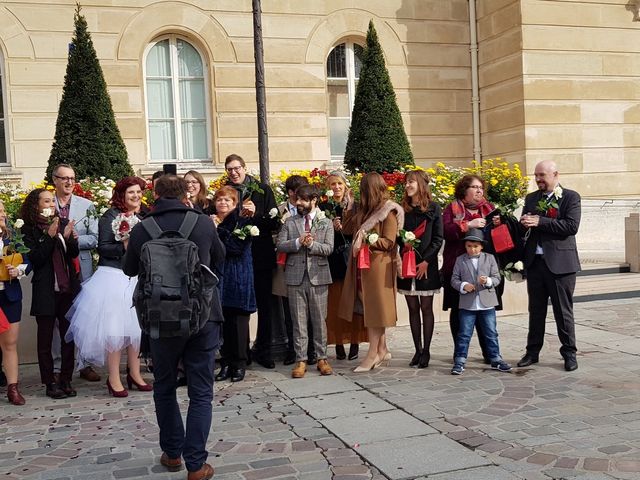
x,y
324,367
172,464
205,473
89,374
13,394
299,370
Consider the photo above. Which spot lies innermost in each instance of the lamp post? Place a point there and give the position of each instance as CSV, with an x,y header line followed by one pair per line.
x,y
261,99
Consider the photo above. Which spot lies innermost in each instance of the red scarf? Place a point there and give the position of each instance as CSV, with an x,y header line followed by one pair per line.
x,y
459,209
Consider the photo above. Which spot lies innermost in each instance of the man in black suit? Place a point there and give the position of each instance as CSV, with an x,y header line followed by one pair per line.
x,y
258,204
551,219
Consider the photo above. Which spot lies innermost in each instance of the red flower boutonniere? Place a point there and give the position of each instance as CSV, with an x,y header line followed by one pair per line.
x,y
552,212
548,206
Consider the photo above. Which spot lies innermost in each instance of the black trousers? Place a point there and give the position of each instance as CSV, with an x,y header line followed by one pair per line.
x,y
235,331
45,336
262,283
542,284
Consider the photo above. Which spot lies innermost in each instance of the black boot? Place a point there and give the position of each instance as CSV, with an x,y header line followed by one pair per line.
x,y
340,353
353,351
425,356
416,359
54,391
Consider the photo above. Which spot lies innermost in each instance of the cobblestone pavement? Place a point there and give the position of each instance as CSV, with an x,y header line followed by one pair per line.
x,y
395,422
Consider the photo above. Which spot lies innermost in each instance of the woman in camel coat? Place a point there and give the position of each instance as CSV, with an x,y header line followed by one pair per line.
x,y
372,291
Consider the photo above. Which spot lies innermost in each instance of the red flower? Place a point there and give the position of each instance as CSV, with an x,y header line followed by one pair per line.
x,y
552,212
124,227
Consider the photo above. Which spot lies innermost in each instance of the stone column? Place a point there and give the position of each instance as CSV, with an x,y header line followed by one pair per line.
x,y
632,241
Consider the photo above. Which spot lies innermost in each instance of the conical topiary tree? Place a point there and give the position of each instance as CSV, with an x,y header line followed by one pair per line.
x,y
377,141
87,136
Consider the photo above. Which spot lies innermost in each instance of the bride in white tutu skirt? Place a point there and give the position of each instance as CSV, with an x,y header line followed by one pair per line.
x,y
103,320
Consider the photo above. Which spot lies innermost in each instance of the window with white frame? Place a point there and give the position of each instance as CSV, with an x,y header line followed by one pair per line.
x,y
177,114
4,157
343,70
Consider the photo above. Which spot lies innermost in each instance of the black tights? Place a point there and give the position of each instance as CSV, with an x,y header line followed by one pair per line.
x,y
418,304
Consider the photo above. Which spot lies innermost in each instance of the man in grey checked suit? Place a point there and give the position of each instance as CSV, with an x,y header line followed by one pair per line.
x,y
307,239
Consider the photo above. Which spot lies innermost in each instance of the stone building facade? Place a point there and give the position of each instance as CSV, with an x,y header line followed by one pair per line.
x,y
557,79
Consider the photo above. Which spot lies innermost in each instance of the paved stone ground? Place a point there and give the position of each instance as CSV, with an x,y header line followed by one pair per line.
x,y
395,422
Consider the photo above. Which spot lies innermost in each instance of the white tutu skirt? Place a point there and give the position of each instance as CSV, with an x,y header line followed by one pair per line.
x,y
102,317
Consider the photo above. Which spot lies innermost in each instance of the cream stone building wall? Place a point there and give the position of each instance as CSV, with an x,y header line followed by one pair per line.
x,y
558,78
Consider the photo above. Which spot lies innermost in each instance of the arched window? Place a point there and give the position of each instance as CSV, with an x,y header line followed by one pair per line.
x,y
4,156
177,114
343,70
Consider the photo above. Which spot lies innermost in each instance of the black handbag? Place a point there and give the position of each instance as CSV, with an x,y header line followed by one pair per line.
x,y
345,251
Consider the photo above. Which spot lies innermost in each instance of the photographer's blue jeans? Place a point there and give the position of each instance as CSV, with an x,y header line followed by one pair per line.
x,y
198,357
486,319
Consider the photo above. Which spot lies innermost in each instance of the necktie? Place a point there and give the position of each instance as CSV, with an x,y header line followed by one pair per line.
x,y
307,223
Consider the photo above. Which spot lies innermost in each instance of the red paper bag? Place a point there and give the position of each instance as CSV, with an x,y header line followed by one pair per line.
x,y
4,323
363,258
281,259
501,237
409,264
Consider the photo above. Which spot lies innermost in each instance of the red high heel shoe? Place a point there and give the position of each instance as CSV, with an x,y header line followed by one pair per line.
x,y
142,387
117,393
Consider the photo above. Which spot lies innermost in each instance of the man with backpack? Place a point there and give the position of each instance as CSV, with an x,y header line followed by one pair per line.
x,y
176,254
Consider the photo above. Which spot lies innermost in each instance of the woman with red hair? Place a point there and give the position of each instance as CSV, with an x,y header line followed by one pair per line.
x,y
103,320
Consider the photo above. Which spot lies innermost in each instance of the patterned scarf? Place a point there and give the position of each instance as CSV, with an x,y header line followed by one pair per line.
x,y
459,209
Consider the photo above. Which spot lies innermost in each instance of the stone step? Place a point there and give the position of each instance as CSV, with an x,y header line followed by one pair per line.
x,y
603,286
600,268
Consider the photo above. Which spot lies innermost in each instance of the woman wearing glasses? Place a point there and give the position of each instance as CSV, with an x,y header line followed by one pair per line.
x,y
197,192
468,210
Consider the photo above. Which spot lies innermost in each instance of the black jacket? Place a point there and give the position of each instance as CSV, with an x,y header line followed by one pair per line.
x,y
111,250
169,213
428,248
41,247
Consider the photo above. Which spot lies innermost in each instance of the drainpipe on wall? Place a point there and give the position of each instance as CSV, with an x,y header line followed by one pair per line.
x,y
475,90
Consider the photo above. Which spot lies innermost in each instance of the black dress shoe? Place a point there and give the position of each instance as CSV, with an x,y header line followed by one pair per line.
x,y
340,353
66,387
54,391
416,358
238,375
265,362
527,360
570,364
290,358
224,373
354,349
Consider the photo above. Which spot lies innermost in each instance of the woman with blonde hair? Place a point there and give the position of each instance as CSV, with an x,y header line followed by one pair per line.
x,y
338,331
424,219
372,290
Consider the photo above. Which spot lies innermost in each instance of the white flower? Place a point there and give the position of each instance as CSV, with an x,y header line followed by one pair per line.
x,y
103,210
329,193
254,231
373,238
409,236
321,215
520,202
105,194
557,192
519,266
19,223
47,212
273,213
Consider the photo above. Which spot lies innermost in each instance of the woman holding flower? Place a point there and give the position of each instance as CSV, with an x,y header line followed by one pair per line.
x,y
468,210
237,293
339,331
371,290
53,251
11,302
103,320
423,234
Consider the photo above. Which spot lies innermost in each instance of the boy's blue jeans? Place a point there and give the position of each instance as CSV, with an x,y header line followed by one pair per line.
x,y
487,321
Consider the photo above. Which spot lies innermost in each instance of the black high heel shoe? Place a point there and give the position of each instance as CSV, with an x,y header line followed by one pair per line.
x,y
425,356
416,358
353,351
340,353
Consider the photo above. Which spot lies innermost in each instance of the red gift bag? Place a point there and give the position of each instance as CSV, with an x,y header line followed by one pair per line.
x,y
501,237
281,259
363,258
4,323
409,264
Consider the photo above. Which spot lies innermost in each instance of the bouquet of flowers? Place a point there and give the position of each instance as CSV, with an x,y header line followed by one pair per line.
x,y
513,271
246,231
548,206
122,225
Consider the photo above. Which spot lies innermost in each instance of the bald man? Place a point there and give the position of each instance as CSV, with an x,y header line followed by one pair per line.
x,y
550,221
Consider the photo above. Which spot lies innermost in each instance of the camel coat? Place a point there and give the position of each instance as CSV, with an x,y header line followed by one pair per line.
x,y
378,294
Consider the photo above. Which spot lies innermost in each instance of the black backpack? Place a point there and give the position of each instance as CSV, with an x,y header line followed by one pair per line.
x,y
174,294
